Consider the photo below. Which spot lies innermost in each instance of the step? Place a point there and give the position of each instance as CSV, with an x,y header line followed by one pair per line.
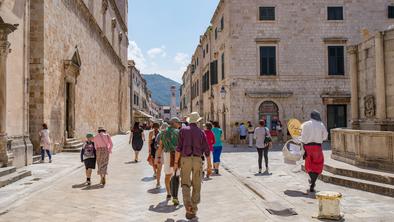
x,y
73,142
348,170
36,158
7,170
15,176
73,145
359,184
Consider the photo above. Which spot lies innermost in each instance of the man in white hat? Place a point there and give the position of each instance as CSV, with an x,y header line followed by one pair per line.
x,y
191,147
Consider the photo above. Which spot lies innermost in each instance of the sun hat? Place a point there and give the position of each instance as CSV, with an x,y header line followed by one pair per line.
x,y
101,129
163,126
194,117
89,135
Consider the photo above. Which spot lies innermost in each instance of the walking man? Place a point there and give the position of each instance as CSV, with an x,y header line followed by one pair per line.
x,y
312,136
168,143
191,146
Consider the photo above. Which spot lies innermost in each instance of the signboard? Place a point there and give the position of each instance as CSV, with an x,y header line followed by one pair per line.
x,y
294,127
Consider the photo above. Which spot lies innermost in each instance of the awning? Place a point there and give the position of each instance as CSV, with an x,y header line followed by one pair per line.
x,y
141,114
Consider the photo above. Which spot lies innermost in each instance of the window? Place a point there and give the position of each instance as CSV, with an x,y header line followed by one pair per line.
x,y
391,12
214,72
222,65
216,33
206,48
205,82
335,13
267,60
197,61
222,23
336,60
203,53
267,13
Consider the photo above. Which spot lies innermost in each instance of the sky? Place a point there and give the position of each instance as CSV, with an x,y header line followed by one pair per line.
x,y
163,34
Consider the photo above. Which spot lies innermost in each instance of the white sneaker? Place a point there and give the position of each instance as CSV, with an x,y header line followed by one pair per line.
x,y
158,186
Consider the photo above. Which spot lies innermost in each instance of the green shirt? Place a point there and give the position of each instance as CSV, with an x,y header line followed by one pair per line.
x,y
169,138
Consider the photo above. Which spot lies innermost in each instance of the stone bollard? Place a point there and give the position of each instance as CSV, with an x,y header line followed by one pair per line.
x,y
329,205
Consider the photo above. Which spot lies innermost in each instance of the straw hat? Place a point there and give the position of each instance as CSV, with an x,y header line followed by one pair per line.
x,y
101,129
194,117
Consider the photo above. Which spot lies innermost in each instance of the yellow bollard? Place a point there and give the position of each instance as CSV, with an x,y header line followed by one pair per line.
x,y
329,205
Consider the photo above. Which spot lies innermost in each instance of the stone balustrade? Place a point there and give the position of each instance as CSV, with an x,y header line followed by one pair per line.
x,y
373,149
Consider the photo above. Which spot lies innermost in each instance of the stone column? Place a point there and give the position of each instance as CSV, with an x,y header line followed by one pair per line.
x,y
5,30
380,78
352,52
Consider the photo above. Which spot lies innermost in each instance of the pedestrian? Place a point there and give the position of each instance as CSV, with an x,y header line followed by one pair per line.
x,y
167,147
45,143
312,136
211,140
217,147
243,132
235,134
192,145
88,157
153,146
103,143
159,156
263,143
137,139
250,134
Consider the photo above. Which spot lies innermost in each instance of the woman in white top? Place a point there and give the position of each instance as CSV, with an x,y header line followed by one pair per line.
x,y
45,143
262,136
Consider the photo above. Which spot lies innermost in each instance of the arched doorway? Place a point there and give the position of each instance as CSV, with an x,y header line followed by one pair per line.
x,y
269,111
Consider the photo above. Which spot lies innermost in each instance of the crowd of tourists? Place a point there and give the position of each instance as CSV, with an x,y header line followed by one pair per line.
x,y
183,150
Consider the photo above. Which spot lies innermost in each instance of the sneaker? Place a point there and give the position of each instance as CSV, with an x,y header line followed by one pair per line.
x,y
175,202
259,170
168,196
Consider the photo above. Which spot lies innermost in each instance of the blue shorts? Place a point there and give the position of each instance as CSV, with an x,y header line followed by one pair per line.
x,y
217,151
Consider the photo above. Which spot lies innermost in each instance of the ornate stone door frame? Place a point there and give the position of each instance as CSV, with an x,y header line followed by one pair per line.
x,y
71,72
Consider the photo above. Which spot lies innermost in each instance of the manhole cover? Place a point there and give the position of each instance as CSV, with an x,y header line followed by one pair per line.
x,y
284,213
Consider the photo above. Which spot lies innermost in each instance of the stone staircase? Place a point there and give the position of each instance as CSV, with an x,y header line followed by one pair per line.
x,y
9,175
351,176
73,145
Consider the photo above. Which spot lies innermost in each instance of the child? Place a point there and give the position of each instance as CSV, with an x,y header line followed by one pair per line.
x,y
88,156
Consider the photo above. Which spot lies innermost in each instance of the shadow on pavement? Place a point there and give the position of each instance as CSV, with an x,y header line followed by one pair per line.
x,y
94,187
297,193
148,179
130,162
82,185
263,174
156,191
163,207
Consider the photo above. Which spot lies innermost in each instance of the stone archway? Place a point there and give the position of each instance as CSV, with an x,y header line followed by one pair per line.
x,y
269,111
71,72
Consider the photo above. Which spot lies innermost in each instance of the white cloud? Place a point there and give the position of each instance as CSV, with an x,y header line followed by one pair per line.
x,y
182,58
135,53
154,52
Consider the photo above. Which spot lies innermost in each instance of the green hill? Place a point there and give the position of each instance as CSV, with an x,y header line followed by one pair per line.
x,y
160,87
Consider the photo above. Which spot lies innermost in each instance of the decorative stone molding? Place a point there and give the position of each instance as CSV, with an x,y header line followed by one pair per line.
x,y
335,40
270,94
113,23
353,49
104,5
267,40
120,36
369,106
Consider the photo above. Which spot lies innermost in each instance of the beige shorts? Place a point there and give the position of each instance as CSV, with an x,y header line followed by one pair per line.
x,y
166,163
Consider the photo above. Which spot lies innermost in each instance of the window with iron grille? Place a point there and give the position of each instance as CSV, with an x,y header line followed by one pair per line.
x,y
267,13
335,13
267,60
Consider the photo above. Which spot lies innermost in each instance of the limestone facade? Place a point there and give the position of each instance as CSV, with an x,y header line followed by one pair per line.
x,y
141,96
300,37
67,69
372,77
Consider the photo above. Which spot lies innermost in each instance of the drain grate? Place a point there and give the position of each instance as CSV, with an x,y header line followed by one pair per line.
x,y
284,213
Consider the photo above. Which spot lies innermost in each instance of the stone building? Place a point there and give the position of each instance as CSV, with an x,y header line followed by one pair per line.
x,y
141,96
184,92
67,68
370,142
277,60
